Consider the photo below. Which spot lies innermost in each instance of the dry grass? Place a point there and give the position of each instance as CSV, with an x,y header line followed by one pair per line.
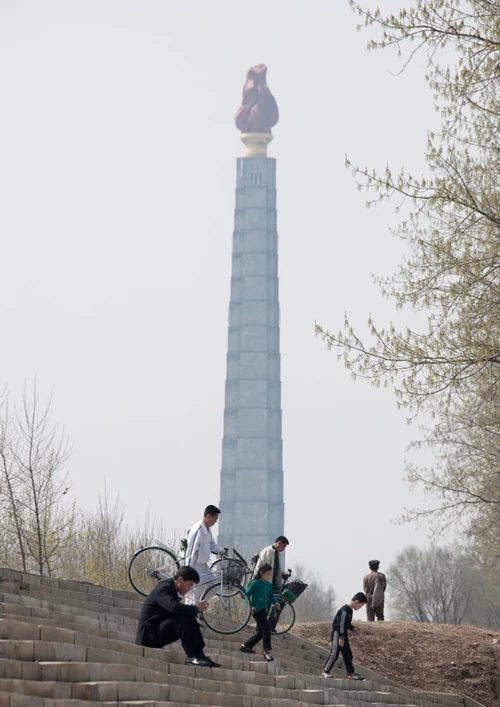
x,y
428,657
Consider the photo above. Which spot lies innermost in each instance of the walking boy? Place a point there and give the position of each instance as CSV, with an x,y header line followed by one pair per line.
x,y
342,623
261,595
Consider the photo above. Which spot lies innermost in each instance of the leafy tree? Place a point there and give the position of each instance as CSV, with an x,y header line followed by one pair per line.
x,y
451,225
465,480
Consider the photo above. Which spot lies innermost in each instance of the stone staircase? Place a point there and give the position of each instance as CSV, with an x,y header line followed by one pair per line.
x,y
68,644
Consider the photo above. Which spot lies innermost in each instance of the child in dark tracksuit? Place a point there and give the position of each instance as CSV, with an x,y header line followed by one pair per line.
x,y
342,623
261,595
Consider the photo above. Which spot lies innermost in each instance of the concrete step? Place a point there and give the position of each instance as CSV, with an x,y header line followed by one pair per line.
x,y
47,650
100,627
73,672
184,678
7,574
241,683
17,597
21,630
114,690
113,608
214,641
55,596
68,671
18,630
120,691
79,600
399,693
21,700
23,694
72,643
79,593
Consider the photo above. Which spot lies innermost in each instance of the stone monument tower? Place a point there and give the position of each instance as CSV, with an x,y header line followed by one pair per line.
x,y
251,496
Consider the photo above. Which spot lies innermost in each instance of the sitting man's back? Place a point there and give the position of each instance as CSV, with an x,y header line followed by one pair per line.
x,y
161,604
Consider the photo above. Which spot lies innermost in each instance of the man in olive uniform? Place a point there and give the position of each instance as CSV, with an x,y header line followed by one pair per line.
x,y
374,586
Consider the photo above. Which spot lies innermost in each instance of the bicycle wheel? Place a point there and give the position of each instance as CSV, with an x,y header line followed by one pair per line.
x,y
149,566
284,621
229,609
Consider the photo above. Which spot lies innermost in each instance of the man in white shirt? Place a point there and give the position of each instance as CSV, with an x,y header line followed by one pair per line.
x,y
271,556
200,545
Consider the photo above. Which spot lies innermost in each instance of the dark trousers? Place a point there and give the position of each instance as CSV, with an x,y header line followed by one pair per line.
x,y
263,632
373,612
183,628
336,651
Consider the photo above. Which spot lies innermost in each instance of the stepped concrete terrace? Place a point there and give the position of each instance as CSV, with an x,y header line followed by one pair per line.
x,y
71,644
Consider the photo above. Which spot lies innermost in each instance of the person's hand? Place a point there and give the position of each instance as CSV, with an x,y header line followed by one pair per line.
x,y
202,606
341,642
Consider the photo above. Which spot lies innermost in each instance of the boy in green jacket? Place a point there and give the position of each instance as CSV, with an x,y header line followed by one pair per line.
x,y
261,595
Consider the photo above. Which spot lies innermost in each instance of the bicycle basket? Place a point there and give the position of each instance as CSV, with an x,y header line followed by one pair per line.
x,y
232,570
294,590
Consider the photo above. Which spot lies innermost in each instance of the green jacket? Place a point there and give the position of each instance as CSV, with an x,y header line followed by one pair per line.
x,y
261,594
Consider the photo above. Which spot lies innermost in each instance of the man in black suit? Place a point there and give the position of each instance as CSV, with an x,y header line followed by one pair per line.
x,y
164,619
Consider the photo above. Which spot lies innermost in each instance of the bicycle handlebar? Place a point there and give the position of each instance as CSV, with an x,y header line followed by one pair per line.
x,y
239,557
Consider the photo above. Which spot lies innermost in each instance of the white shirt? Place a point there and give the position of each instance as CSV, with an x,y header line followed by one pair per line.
x,y
267,556
200,545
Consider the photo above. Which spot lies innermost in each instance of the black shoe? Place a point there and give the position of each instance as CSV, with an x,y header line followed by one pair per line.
x,y
211,663
198,662
244,649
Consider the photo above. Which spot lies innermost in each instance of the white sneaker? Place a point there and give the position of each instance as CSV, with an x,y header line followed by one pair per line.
x,y
326,675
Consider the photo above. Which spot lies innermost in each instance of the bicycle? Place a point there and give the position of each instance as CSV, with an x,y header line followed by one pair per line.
x,y
229,607
282,615
154,563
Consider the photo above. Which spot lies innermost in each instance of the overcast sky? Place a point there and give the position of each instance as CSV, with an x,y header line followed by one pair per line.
x,y
117,175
